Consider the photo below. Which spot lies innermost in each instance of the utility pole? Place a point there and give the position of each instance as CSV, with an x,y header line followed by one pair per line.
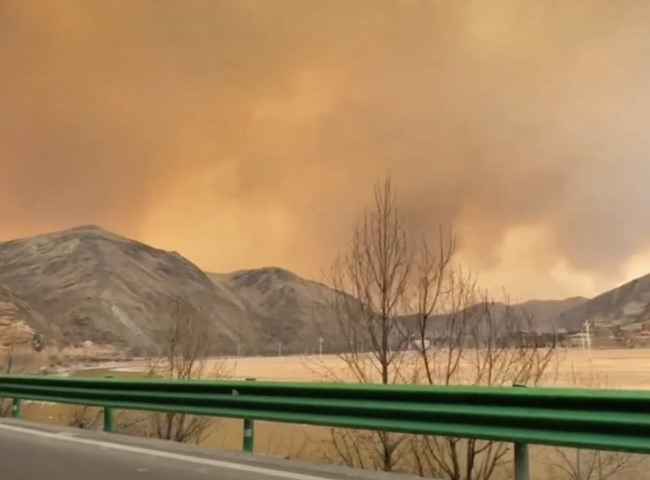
x,y
320,346
588,339
279,349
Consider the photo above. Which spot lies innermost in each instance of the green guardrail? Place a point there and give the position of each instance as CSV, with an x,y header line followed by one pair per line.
x,y
616,420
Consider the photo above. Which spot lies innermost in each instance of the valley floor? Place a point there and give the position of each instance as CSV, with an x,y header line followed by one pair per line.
x,y
606,368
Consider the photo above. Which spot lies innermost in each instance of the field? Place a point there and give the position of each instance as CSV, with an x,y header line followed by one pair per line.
x,y
620,368
572,367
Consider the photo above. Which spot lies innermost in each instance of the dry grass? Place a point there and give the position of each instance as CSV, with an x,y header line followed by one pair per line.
x,y
621,368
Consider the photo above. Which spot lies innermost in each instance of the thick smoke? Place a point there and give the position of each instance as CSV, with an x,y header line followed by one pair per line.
x,y
250,133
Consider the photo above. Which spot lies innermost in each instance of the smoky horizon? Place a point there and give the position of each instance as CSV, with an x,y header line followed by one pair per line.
x,y
248,134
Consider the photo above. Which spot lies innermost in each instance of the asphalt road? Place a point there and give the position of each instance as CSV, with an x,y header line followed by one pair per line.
x,y
30,456
34,452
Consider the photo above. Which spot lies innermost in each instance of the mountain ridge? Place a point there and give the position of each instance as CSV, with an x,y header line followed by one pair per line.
x,y
89,284
92,284
622,305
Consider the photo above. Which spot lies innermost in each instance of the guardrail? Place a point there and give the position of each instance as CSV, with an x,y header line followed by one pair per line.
x,y
592,419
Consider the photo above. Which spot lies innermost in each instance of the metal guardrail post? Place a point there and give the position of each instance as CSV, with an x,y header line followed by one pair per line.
x,y
109,416
109,420
521,454
16,408
249,431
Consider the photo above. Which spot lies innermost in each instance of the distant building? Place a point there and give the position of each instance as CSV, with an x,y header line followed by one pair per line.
x,y
632,327
578,339
420,345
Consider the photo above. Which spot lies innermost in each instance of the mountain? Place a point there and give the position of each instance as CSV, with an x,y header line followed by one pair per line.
x,y
90,284
289,309
623,305
538,316
546,315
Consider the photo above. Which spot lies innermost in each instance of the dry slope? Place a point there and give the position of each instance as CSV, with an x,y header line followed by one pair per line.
x,y
289,310
547,314
626,304
17,320
89,284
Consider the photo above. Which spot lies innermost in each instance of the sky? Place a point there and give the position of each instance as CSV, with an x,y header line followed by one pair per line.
x,y
249,133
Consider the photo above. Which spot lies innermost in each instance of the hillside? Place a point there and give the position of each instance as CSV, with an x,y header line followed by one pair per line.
x,y
626,304
18,322
89,284
289,309
546,315
538,316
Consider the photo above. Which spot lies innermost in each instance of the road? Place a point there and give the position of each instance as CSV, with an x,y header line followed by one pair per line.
x,y
33,452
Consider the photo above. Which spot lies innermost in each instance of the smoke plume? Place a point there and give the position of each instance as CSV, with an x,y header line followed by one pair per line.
x,y
250,133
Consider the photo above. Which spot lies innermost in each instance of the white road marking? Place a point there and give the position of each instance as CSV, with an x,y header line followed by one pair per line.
x,y
168,455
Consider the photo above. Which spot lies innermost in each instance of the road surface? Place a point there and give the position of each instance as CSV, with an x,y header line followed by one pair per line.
x,y
30,451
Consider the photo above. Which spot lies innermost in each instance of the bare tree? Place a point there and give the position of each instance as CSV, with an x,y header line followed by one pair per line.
x,y
92,418
17,355
411,314
579,464
471,340
83,417
184,348
7,359
372,278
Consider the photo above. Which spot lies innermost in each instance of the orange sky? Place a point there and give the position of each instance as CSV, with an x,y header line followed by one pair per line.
x,y
249,133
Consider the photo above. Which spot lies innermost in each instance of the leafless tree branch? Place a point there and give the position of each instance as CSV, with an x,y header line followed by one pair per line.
x,y
184,354
410,314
